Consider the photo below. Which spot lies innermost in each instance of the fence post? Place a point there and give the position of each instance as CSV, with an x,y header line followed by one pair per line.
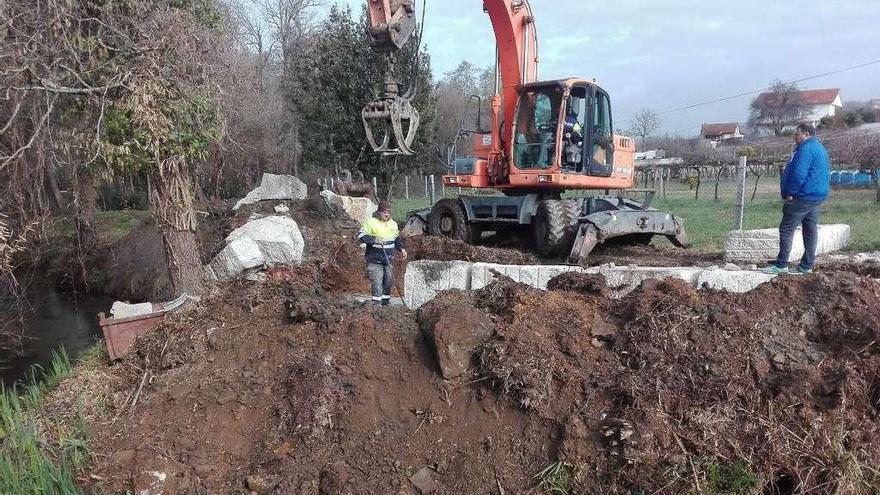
x,y
427,191
406,186
663,181
433,191
741,191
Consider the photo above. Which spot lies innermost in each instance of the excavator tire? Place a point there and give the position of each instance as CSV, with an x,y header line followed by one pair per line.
x,y
555,226
448,219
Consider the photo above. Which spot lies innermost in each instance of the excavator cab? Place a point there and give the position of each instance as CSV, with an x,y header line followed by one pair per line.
x,y
565,127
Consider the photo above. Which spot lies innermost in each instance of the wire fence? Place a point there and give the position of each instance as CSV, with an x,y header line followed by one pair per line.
x,y
709,197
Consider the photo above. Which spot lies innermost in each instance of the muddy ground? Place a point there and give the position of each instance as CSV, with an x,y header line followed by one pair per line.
x,y
291,387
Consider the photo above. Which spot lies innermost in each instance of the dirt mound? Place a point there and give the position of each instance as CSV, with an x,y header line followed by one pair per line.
x,y
335,406
661,253
585,283
442,249
667,391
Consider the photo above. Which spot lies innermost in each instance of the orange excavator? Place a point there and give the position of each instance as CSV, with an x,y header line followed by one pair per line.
x,y
545,138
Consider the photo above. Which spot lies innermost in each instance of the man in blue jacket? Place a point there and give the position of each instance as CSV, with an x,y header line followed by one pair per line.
x,y
382,238
805,183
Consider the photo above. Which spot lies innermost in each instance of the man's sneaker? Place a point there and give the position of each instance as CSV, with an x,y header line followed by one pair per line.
x,y
803,270
775,270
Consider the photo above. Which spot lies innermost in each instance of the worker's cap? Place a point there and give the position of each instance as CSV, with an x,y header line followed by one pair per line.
x,y
384,206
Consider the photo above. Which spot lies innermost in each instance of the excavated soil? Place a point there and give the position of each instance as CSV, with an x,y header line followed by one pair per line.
x,y
285,387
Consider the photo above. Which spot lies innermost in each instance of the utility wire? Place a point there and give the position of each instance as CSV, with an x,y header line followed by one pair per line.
x,y
746,93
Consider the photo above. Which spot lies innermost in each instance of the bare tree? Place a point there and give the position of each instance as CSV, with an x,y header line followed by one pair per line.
x,y
456,107
644,123
782,107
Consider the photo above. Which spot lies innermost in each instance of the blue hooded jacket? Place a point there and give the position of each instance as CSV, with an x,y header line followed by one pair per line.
x,y
808,173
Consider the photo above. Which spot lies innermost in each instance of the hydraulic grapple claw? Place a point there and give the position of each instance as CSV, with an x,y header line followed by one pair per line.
x,y
394,121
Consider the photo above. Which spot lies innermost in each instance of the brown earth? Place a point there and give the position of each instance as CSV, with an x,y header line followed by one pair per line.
x,y
289,386
285,387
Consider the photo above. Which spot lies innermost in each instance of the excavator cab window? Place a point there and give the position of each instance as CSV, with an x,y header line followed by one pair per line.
x,y
574,130
600,153
536,126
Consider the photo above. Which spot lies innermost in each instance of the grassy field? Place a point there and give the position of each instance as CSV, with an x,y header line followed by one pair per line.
x,y
708,221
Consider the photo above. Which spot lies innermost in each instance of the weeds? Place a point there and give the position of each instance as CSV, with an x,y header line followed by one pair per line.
x,y
734,478
28,464
556,478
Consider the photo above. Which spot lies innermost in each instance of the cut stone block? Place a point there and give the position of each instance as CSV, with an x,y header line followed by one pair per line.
x,y
284,187
534,275
763,244
424,279
126,310
358,209
732,281
266,241
623,280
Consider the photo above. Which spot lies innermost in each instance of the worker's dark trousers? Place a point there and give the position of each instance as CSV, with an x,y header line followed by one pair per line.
x,y
380,282
806,214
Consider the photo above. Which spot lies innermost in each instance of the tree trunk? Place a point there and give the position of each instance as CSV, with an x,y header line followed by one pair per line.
x,y
177,219
84,209
52,182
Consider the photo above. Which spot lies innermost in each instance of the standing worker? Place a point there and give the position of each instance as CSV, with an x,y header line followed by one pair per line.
x,y
805,183
382,238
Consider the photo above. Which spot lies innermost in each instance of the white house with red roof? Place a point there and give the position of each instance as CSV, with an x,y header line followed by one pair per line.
x,y
819,103
723,133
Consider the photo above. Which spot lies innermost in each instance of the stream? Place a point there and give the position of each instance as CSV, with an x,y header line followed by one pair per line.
x,y
57,319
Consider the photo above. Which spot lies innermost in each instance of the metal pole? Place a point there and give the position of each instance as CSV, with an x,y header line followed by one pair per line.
x,y
406,186
433,191
427,191
741,191
375,187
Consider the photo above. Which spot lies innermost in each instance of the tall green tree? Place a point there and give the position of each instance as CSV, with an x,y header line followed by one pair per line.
x,y
339,75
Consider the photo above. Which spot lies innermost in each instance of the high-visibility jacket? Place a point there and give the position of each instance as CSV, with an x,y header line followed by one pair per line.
x,y
382,239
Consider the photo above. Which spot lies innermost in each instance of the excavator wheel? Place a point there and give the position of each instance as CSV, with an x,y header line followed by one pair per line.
x,y
555,226
448,219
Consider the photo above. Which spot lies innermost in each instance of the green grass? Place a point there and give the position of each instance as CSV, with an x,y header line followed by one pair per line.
x,y
28,465
707,221
734,478
115,225
111,226
556,478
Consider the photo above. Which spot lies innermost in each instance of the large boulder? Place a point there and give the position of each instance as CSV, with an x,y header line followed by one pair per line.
x,y
263,242
358,209
277,187
455,329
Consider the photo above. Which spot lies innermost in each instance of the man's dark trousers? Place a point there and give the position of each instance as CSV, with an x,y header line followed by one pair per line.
x,y
799,212
381,278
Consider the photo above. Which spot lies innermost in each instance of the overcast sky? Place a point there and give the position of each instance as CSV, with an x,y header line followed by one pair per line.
x,y
669,54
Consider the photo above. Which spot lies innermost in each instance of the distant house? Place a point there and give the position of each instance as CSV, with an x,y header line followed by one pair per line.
x,y
722,134
875,106
819,103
